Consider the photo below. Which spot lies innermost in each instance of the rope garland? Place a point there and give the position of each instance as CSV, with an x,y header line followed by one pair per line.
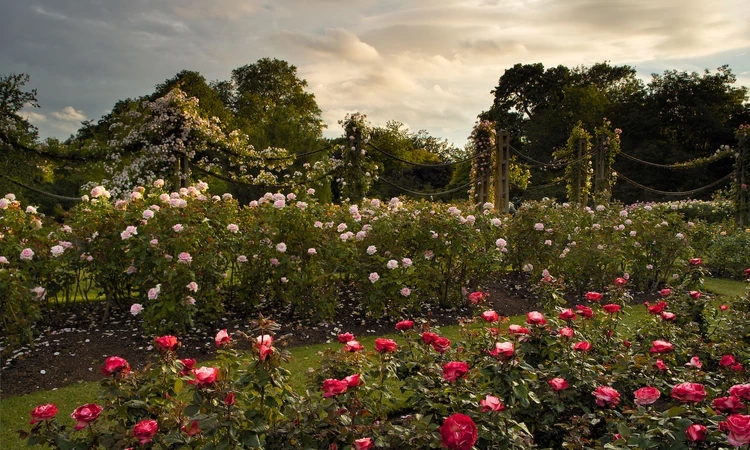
x,y
427,165
690,192
551,165
39,191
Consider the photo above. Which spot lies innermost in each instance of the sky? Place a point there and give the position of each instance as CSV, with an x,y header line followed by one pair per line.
x,y
429,64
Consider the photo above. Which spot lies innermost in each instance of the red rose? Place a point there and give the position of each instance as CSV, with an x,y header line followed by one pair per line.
x,y
86,414
345,337
265,339
657,308
731,404
566,332
332,387
626,343
192,430
727,360
145,430
187,365
696,432
724,307
229,399
747,272
441,344
659,364
694,362
535,318
264,351
353,346
404,325
353,380
606,396
167,343
689,392
585,311
558,384
454,370
611,308
222,338
115,365
517,329
491,403
582,346
695,294
666,292
620,281
646,396
458,432
593,296
363,444
490,316
205,376
738,426
567,314
740,390
503,350
43,412
428,337
383,345
668,316
695,261
659,346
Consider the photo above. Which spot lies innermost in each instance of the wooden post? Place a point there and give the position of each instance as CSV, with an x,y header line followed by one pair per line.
x,y
579,175
601,173
502,171
742,202
185,171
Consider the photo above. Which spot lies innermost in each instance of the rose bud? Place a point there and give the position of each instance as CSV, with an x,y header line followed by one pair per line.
x,y
222,338
491,403
558,384
229,399
696,432
192,430
404,325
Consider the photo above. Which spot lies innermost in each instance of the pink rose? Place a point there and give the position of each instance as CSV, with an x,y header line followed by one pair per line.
x,y
187,365
167,343
517,329
145,430
668,316
593,296
491,403
695,261
363,444
689,392
353,346
606,396
611,308
490,316
458,432
566,332
535,318
567,314
727,360
405,325
646,396
694,362
620,281
657,308
222,338
353,380
659,364
731,404
43,412
383,345
476,297
666,292
115,365
738,426
454,370
695,294
660,346
192,430
585,311
428,337
345,337
503,350
558,384
740,390
582,346
205,376
86,414
441,344
696,432
230,399
333,387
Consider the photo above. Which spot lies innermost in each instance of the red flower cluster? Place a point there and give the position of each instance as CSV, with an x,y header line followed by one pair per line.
x,y
383,345
332,387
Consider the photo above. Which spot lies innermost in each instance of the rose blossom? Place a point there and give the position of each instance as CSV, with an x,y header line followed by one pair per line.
x,y
740,390
503,349
441,344
535,318
606,396
192,286
689,392
668,316
696,432
145,430
405,325
454,370
695,261
27,254
593,296
205,376
620,281
738,426
188,364
43,412
392,264
168,343
611,308
136,308
666,292
558,384
491,403
490,316
659,364
517,329
727,360
458,432
567,314
333,387
115,365
184,258
193,429
222,338
646,396
476,297
363,444
731,404
383,345
353,346
86,414
566,332
657,308
660,346
345,337
428,337
373,277
405,292
694,362
582,346
585,311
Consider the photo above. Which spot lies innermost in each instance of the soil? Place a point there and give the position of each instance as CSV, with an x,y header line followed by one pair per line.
x,y
74,348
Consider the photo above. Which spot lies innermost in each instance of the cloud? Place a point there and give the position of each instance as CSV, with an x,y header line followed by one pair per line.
x,y
334,43
33,117
216,9
69,114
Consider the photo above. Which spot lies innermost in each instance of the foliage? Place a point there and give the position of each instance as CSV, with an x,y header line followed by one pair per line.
x,y
729,254
578,175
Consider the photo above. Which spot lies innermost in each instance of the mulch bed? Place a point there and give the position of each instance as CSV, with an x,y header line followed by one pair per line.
x,y
74,349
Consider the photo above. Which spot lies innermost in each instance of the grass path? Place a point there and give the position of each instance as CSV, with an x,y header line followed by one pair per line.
x,y
14,411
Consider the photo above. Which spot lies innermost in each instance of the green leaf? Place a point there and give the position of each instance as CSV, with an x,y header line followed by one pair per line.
x,y
191,410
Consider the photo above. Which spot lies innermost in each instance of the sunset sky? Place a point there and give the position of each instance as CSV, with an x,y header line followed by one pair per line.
x,y
428,63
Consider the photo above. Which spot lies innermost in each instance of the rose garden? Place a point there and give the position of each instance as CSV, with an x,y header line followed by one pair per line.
x,y
588,367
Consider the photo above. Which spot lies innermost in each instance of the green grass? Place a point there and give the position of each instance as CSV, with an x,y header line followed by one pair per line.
x,y
14,411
